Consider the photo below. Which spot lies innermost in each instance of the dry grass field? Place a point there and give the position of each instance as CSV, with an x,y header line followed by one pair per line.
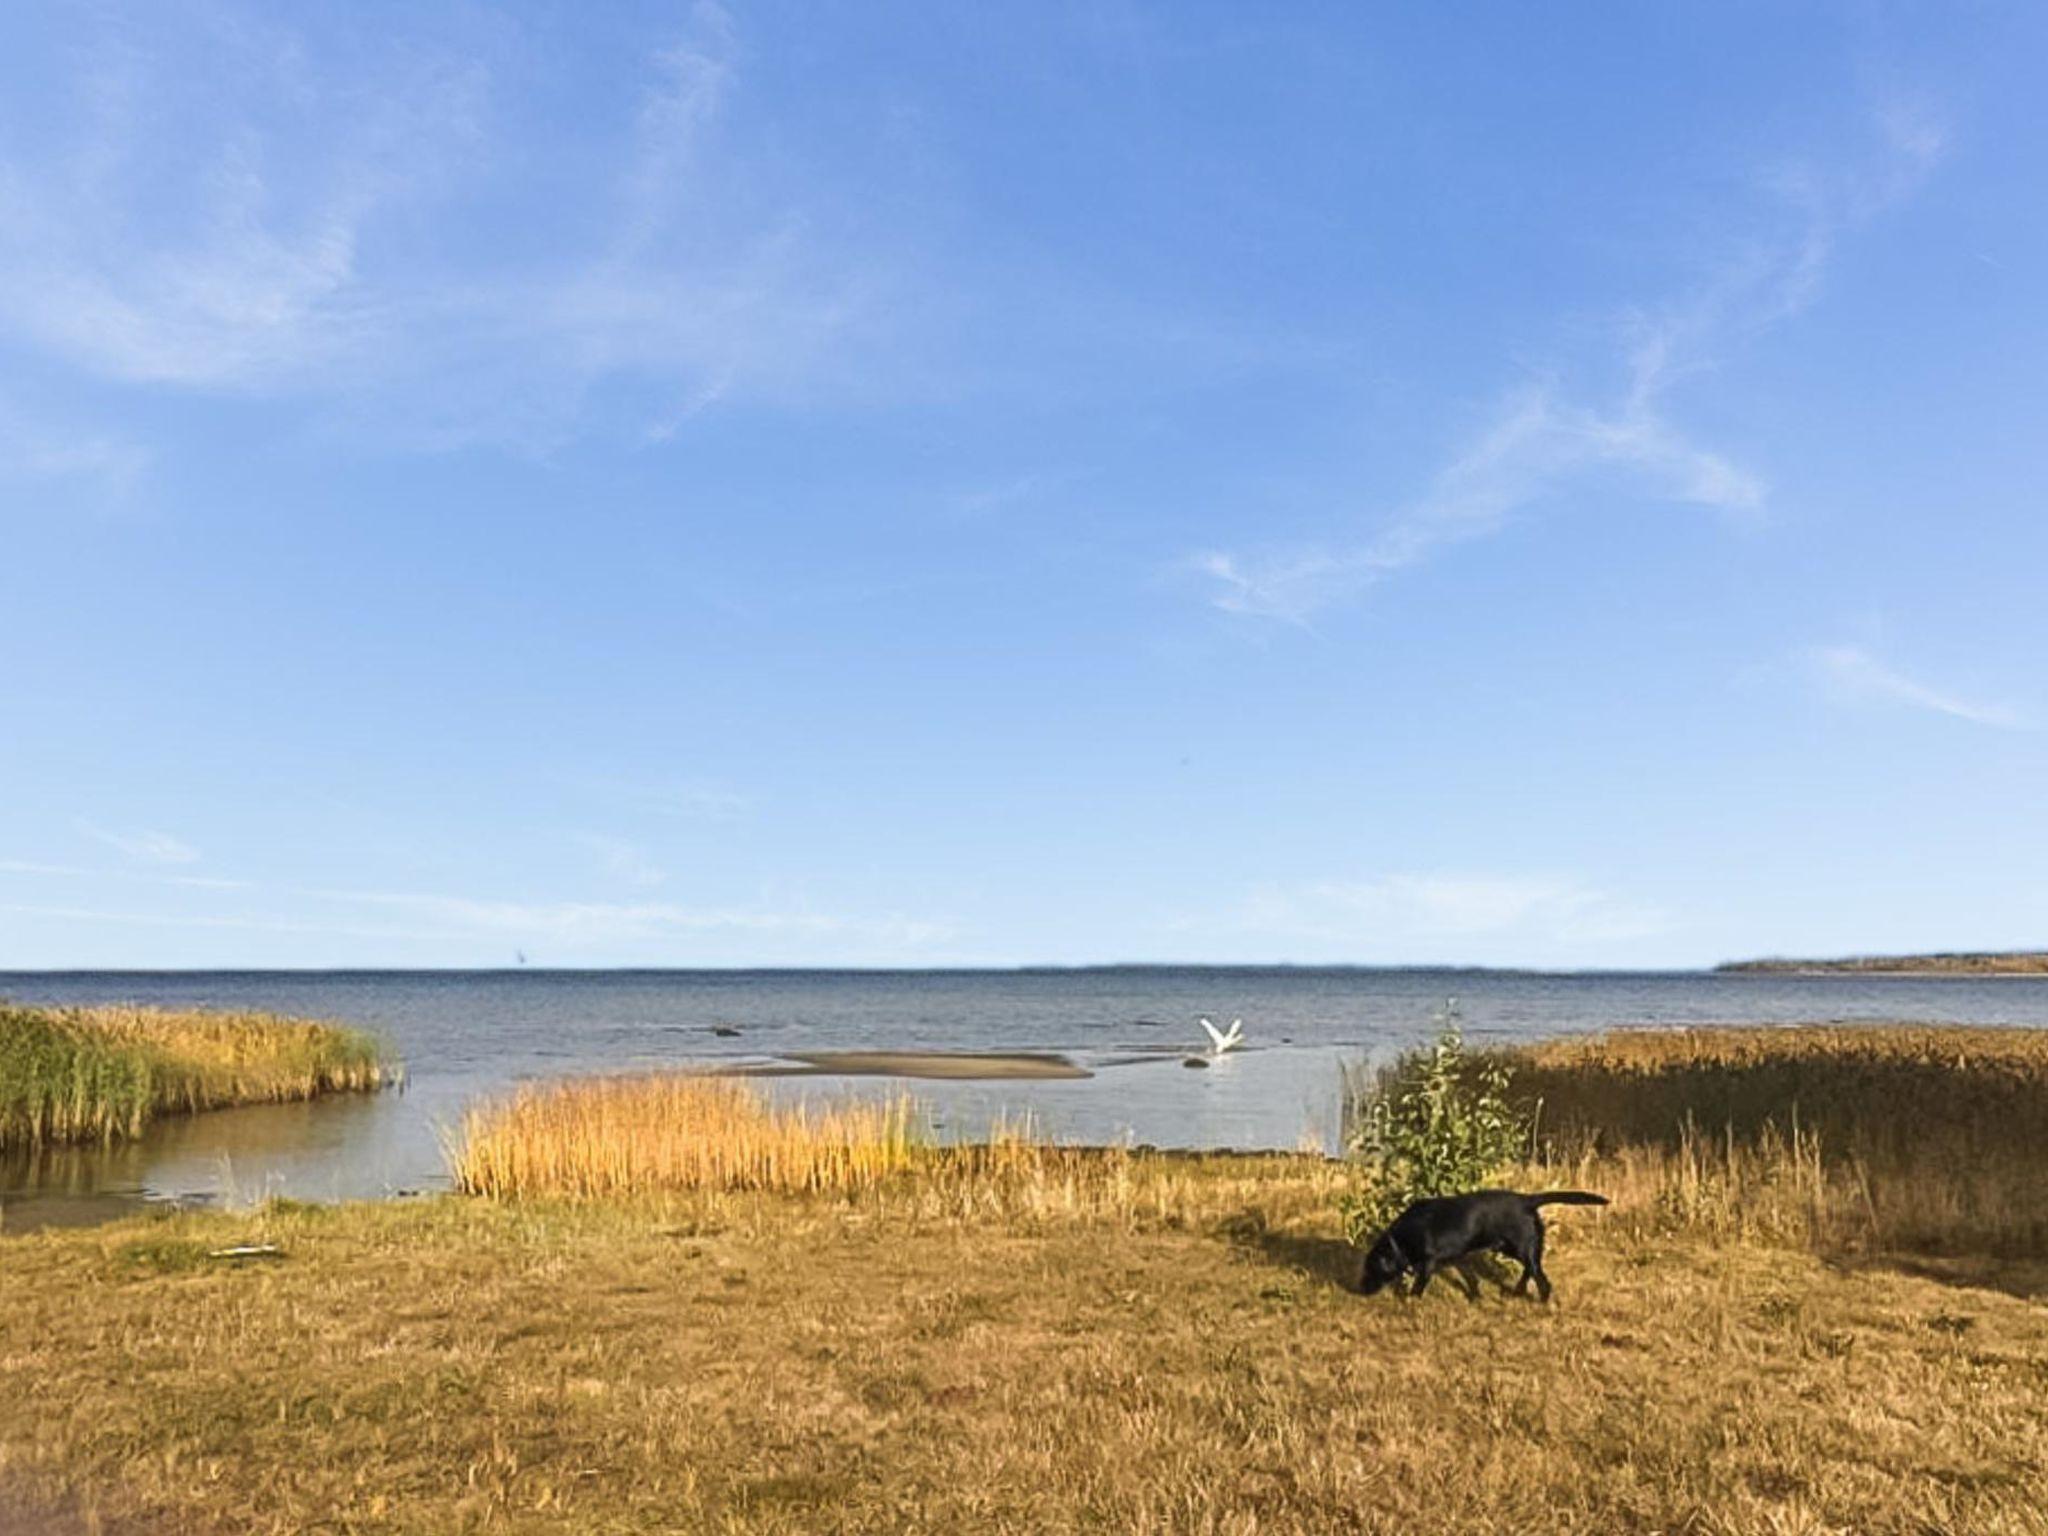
x,y
1021,1338
800,1364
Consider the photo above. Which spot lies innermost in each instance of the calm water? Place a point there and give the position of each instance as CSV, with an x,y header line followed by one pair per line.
x,y
469,1034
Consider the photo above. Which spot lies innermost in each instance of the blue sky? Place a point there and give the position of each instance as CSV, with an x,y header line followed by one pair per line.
x,y
856,484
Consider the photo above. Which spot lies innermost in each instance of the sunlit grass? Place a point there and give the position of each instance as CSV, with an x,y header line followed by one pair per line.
x,y
1897,1137
99,1074
693,1307
677,1133
761,1362
672,1131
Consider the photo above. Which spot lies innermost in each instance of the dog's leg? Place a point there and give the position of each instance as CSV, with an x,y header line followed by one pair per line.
x,y
1467,1278
1532,1267
1422,1273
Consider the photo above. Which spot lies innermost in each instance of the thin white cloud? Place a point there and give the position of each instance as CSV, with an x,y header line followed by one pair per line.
x,y
692,78
242,266
1454,906
144,847
1542,441
234,922
76,872
1918,137
1851,673
1537,443
562,926
38,452
622,859
1002,496
710,802
683,799
582,926
1441,917
277,258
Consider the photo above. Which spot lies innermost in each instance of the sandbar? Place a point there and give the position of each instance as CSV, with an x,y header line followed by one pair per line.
x,y
929,1064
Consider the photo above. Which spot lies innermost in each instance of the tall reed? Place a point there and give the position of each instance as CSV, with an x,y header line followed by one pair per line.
x,y
98,1074
1926,1138
672,1131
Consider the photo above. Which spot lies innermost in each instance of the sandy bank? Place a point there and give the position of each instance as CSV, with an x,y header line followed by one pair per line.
x,y
927,1064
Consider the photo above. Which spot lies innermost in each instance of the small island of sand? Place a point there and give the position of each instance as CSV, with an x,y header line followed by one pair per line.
x,y
950,1065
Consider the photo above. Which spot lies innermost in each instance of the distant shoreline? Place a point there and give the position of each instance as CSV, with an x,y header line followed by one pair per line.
x,y
1988,963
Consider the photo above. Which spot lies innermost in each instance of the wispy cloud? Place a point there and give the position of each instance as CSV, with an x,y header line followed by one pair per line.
x,y
582,924
683,799
1544,439
1002,496
145,847
282,258
1852,673
1537,443
233,922
240,267
1435,917
77,872
702,285
559,928
1457,905
622,859
37,452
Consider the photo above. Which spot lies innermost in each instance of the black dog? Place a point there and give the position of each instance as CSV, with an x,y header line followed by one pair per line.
x,y
1452,1228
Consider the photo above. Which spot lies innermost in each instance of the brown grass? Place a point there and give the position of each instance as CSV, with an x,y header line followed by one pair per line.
x,y
796,1364
605,1136
678,1133
1864,1137
1018,1337
1846,1139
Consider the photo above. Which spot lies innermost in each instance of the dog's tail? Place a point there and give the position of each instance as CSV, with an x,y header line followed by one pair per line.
x,y
1565,1197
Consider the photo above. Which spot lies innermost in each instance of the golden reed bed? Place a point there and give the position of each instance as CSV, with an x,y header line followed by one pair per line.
x,y
1868,1138
1903,1137
672,1131
676,1133
98,1074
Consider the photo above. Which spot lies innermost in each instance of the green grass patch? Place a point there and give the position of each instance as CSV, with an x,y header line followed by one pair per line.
x,y
161,1256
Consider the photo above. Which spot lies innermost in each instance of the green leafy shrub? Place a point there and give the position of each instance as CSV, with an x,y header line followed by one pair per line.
x,y
1436,1122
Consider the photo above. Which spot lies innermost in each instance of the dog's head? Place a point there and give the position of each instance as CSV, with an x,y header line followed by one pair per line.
x,y
1384,1264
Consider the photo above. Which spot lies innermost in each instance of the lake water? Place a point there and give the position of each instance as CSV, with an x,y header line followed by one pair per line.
x,y
468,1035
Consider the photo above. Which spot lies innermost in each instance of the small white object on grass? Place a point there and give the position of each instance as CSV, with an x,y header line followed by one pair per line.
x,y
1221,1040
248,1251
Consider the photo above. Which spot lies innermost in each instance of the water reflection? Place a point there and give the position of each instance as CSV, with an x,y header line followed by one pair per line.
x,y
355,1146
349,1146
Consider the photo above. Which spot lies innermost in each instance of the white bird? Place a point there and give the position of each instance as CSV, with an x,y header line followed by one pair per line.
x,y
1220,1040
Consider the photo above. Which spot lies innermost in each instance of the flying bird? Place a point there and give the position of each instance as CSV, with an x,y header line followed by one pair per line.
x,y
1222,1040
